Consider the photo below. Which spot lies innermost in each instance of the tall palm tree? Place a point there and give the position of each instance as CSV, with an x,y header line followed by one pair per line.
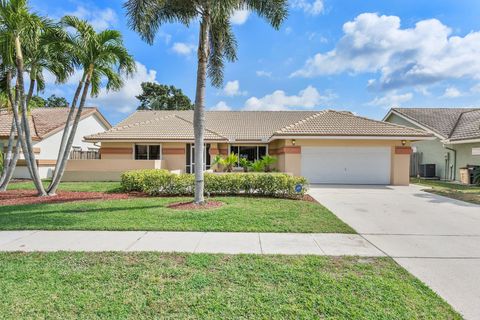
x,y
100,56
17,24
26,45
216,45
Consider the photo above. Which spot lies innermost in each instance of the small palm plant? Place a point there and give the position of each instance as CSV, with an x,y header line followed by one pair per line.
x,y
218,161
268,161
231,161
258,166
245,164
226,163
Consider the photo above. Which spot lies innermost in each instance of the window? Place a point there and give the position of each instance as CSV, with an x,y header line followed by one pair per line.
x,y
251,153
147,152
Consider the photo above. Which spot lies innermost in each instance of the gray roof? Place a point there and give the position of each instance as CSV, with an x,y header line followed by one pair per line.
x,y
450,123
250,126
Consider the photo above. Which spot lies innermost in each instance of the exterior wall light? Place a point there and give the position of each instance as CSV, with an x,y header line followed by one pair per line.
x,y
294,142
404,142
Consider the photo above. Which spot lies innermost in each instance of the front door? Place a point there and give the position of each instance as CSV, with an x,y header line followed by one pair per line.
x,y
191,158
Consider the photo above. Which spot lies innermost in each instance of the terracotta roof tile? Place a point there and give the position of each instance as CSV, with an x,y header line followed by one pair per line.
x,y
43,121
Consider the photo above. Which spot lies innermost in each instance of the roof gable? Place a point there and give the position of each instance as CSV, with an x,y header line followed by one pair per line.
x,y
260,126
46,121
448,123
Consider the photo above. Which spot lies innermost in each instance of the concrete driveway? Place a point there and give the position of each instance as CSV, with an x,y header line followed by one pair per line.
x,y
437,239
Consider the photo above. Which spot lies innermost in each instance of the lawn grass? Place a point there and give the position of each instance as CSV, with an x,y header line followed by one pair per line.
x,y
238,214
110,187
452,190
206,286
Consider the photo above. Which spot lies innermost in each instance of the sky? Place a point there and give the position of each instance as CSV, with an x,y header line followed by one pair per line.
x,y
364,56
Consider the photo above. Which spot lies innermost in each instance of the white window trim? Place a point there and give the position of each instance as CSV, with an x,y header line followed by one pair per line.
x,y
148,150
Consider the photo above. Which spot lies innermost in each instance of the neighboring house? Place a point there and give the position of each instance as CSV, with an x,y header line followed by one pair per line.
x,y
46,125
457,137
324,146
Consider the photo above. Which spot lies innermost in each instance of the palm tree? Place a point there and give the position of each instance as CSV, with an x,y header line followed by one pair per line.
x,y
17,25
216,45
26,45
100,56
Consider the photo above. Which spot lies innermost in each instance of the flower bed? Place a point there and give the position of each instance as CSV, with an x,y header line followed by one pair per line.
x,y
163,182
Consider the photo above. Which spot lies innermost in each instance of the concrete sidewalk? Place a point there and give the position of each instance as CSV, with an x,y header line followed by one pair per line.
x,y
199,242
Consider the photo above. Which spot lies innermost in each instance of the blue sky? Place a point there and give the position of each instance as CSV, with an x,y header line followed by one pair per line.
x,y
363,56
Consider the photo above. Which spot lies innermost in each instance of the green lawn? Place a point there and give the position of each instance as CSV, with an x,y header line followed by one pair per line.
x,y
203,286
71,186
452,190
237,214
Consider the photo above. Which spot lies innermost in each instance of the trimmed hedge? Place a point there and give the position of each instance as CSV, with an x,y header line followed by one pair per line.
x,y
162,182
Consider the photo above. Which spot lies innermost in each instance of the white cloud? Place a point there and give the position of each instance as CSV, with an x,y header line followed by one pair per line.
x,y
475,88
184,49
221,106
263,73
124,101
307,98
452,92
422,55
239,17
392,99
232,88
288,30
100,19
314,7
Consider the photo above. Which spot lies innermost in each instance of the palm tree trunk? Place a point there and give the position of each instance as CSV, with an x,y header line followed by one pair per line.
x,y
66,129
11,168
31,88
28,138
199,112
61,166
8,155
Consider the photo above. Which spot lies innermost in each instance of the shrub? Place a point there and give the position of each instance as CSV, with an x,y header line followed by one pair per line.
x,y
245,164
226,163
162,182
134,180
268,161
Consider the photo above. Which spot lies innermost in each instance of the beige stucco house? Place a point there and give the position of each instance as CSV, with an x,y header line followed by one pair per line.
x,y
46,126
324,146
457,137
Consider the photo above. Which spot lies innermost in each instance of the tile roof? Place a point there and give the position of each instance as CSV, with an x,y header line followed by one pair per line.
x,y
43,121
249,126
450,123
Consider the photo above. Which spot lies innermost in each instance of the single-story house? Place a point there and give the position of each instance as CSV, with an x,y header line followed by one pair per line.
x,y
457,137
46,126
324,146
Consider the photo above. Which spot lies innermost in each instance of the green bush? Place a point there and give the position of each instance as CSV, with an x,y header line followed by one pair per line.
x,y
162,182
134,180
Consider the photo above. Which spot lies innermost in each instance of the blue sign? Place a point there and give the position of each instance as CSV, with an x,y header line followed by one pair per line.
x,y
298,188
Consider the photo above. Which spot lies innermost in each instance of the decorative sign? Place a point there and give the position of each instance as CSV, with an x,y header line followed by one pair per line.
x,y
475,151
298,188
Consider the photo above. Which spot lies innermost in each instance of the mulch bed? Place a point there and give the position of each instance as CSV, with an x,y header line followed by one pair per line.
x,y
309,198
210,204
19,197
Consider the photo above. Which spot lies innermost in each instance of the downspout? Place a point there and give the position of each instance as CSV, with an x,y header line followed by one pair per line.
x,y
454,161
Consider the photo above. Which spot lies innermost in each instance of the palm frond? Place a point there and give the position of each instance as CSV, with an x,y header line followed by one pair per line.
x,y
146,16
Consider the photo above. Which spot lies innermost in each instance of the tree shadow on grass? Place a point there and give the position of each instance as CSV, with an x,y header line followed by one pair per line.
x,y
19,217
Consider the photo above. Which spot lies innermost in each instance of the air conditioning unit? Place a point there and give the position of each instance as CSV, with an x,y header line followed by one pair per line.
x,y
427,170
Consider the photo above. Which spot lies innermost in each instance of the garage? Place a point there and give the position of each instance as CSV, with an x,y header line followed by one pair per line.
x,y
346,165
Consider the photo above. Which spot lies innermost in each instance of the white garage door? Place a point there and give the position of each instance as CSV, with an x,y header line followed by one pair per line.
x,y
346,165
